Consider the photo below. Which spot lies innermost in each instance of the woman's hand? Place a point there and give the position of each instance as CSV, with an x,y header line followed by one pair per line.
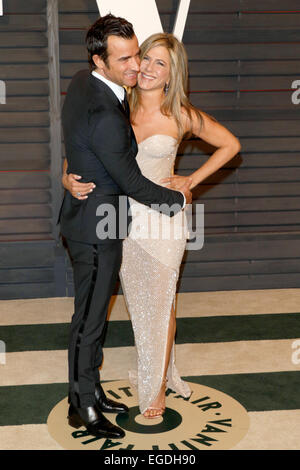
x,y
78,190
177,182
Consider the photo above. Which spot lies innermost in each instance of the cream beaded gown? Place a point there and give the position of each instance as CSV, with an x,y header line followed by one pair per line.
x,y
152,255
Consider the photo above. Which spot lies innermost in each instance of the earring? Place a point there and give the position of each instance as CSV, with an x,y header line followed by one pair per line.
x,y
166,88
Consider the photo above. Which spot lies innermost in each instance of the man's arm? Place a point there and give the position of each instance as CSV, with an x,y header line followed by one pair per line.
x,y
110,141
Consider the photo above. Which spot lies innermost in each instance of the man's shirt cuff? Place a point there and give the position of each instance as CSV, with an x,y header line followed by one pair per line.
x,y
184,200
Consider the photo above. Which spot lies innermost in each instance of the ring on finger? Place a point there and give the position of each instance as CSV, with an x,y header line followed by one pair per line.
x,y
78,194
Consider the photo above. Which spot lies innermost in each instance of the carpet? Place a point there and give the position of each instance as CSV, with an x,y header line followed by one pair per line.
x,y
244,344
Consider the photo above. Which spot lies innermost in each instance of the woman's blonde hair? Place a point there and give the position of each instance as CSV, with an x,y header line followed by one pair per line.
x,y
176,97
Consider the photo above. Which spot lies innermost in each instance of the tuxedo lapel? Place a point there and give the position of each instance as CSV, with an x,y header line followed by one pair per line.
x,y
100,86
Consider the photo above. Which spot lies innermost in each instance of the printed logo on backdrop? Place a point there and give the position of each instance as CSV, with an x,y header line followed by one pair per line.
x,y
136,12
209,420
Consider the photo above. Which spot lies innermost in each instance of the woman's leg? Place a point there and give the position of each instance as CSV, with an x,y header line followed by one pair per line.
x,y
158,406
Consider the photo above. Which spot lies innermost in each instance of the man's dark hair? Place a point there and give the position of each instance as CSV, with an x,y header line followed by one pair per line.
x,y
97,35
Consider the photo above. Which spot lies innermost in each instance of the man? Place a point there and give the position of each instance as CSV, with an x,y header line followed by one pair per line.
x,y
101,147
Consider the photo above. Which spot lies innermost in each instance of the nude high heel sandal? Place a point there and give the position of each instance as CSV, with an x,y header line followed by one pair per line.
x,y
158,410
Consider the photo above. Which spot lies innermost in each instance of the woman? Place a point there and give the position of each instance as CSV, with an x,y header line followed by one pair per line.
x,y
161,115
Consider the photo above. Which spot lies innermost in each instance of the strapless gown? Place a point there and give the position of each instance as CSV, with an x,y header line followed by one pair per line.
x,y
152,254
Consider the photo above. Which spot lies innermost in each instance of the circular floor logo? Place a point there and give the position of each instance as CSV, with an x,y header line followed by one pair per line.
x,y
209,419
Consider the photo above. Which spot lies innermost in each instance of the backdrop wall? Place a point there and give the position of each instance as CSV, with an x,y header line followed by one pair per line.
x,y
244,62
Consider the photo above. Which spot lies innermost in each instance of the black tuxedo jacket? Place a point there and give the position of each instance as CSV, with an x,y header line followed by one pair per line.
x,y
101,147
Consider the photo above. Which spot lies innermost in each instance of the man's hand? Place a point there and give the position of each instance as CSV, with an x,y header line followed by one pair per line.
x,y
185,189
78,190
180,183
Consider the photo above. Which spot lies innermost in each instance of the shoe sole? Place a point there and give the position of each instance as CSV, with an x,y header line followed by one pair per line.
x,y
76,422
113,411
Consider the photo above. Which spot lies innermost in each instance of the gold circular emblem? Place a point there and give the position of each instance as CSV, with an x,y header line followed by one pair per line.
x,y
209,420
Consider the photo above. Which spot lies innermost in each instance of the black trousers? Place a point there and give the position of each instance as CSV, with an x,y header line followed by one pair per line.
x,y
96,269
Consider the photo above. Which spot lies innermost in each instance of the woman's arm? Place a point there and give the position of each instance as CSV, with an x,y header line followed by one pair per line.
x,y
217,135
70,182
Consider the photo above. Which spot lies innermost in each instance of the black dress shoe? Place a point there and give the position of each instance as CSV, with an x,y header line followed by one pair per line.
x,y
94,421
106,405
